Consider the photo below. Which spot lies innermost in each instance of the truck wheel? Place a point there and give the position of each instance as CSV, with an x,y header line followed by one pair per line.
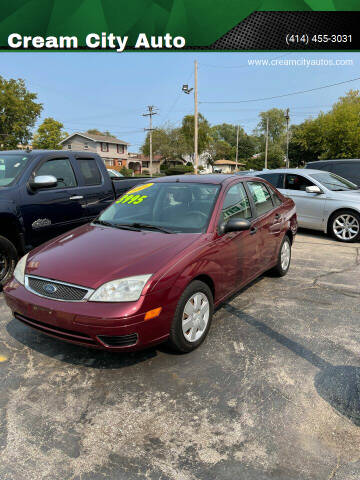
x,y
8,259
192,317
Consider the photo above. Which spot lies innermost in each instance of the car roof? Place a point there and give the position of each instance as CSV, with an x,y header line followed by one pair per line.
x,y
314,162
216,178
300,171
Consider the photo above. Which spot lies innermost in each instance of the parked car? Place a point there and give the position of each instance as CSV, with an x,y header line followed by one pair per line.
x,y
349,169
45,193
114,173
324,201
153,266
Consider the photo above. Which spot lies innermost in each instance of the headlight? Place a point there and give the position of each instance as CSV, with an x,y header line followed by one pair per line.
x,y
123,290
19,272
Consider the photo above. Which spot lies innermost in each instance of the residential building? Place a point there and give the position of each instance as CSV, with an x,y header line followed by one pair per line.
x,y
226,166
113,151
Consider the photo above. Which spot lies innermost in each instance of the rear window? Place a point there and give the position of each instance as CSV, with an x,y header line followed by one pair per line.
x,y
90,171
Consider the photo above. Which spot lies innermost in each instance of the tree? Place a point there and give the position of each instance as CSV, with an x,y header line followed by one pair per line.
x,y
275,158
49,134
277,124
187,129
167,142
18,113
95,131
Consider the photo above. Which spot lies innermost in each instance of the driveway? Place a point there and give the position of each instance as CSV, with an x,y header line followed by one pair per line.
x,y
272,394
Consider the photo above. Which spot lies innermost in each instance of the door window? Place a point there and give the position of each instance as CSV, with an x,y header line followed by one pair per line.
x,y
236,203
90,171
297,182
261,197
61,169
276,179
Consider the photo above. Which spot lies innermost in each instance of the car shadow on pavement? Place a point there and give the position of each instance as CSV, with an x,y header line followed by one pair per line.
x,y
74,354
339,385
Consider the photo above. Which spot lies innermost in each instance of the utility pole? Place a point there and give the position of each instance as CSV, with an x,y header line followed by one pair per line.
x,y
196,119
237,147
287,116
150,114
266,142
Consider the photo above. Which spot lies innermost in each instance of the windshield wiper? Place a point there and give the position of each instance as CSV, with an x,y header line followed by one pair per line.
x,y
151,227
117,225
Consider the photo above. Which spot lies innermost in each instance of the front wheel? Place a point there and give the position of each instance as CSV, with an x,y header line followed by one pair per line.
x,y
8,259
345,226
284,258
192,317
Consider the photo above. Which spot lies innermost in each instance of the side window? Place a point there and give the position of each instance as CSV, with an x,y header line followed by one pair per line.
x,y
275,198
236,203
261,197
349,170
297,182
90,171
61,169
276,179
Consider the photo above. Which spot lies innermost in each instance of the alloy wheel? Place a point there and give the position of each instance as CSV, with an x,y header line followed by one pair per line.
x,y
3,265
285,255
346,227
195,317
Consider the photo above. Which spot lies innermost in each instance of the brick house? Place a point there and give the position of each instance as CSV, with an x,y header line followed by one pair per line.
x,y
113,151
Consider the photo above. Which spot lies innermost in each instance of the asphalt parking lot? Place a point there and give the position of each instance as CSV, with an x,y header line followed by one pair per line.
x,y
273,393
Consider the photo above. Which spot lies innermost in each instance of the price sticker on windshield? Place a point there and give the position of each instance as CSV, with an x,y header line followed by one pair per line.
x,y
130,198
134,199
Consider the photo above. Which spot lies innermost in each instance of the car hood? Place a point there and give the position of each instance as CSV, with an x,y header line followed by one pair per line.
x,y
352,196
93,255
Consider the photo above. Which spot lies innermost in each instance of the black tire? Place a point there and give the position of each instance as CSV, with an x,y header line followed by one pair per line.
x,y
278,270
177,340
8,259
336,216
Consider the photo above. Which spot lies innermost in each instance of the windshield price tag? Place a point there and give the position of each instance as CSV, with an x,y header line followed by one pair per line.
x,y
132,199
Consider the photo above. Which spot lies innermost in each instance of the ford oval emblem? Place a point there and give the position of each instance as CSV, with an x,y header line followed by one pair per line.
x,y
49,288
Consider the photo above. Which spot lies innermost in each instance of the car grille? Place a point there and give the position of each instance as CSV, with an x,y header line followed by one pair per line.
x,y
56,290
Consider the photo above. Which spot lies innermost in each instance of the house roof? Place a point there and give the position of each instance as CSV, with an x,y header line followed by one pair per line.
x,y
227,162
96,138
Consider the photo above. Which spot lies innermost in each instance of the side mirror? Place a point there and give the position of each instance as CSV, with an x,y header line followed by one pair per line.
x,y
236,225
43,181
313,189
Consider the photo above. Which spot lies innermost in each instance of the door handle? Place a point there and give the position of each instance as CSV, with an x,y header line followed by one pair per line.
x,y
76,197
253,230
277,217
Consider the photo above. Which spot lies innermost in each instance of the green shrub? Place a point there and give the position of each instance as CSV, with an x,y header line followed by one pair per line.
x,y
179,170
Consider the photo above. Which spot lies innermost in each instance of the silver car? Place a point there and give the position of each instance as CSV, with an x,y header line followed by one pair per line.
x,y
324,201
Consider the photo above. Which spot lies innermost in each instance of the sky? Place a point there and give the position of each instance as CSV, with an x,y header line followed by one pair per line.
x,y
110,91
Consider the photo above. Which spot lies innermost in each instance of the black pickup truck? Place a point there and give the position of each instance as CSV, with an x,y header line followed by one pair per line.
x,y
45,193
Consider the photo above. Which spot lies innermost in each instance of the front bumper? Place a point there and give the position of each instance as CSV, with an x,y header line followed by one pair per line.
x,y
109,326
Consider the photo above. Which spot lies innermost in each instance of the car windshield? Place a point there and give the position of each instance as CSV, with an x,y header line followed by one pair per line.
x,y
170,207
10,167
334,182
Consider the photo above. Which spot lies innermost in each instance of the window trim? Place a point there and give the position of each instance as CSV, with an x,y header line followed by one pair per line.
x,y
106,149
118,145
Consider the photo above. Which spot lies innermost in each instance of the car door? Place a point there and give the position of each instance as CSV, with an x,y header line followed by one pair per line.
x,y
309,206
95,189
269,222
48,212
237,252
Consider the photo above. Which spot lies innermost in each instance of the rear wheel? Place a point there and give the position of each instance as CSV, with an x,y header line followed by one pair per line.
x,y
284,258
8,259
345,226
192,317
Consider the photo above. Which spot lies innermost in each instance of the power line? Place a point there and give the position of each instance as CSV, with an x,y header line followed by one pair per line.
x,y
287,94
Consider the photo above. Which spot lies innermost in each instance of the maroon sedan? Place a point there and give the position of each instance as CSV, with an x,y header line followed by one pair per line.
x,y
153,266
